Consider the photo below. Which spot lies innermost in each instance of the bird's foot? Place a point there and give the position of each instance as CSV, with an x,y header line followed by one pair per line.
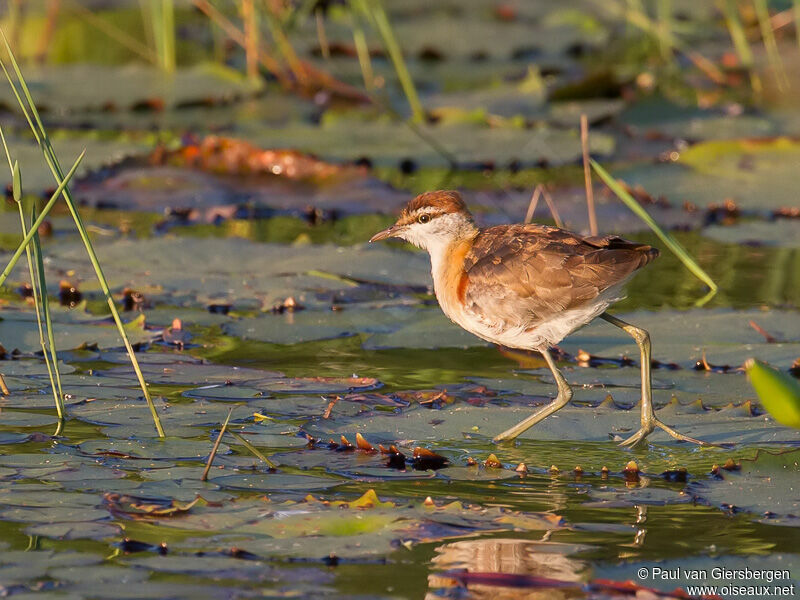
x,y
649,426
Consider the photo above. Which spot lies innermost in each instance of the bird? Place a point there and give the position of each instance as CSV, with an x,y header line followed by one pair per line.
x,y
527,286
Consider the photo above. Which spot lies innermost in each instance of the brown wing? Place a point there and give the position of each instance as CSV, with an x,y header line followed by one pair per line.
x,y
518,272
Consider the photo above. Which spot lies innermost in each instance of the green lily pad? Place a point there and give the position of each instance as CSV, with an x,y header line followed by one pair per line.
x,y
170,448
785,233
274,482
764,484
712,172
91,530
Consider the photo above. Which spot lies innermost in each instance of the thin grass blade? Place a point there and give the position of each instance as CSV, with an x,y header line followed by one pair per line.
x,y
671,243
52,162
770,45
51,342
40,219
211,456
38,293
740,43
375,11
255,451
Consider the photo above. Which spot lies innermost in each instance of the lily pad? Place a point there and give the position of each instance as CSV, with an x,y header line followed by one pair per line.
x,y
274,482
784,233
91,530
765,484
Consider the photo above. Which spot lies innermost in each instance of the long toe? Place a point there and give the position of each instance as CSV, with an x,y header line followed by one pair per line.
x,y
680,436
637,438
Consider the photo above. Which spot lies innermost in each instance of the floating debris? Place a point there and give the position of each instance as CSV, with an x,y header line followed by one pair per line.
x,y
680,475
493,462
363,444
424,460
68,294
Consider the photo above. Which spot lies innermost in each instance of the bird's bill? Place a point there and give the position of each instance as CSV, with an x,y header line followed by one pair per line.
x,y
386,233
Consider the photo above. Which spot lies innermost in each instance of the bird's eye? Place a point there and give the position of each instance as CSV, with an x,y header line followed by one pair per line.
x,y
423,218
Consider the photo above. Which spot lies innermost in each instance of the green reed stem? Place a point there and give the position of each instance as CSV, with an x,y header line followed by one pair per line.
x,y
37,252
362,50
375,11
256,452
740,43
28,237
51,159
211,456
796,10
16,191
770,45
162,20
675,247
664,12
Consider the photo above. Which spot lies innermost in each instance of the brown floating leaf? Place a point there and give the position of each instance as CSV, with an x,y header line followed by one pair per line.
x,y
132,300
68,294
553,470
329,409
237,157
731,465
493,462
578,470
521,468
345,445
288,305
425,460
769,338
631,471
363,444
471,462
680,475
583,358
138,507
604,472
175,334
428,502
794,369
397,460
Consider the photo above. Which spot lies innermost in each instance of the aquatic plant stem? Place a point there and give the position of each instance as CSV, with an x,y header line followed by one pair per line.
x,y
537,193
251,34
770,45
51,159
736,30
674,246
115,33
26,240
204,476
362,50
375,11
39,291
637,17
796,11
37,253
256,452
587,174
552,206
16,191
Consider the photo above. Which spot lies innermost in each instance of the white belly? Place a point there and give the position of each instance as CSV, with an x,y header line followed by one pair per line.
x,y
534,336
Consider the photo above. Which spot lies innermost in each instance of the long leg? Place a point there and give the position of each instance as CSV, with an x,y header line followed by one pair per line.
x,y
649,420
563,398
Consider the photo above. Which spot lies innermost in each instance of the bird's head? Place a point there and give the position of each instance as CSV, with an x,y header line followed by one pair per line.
x,y
432,220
